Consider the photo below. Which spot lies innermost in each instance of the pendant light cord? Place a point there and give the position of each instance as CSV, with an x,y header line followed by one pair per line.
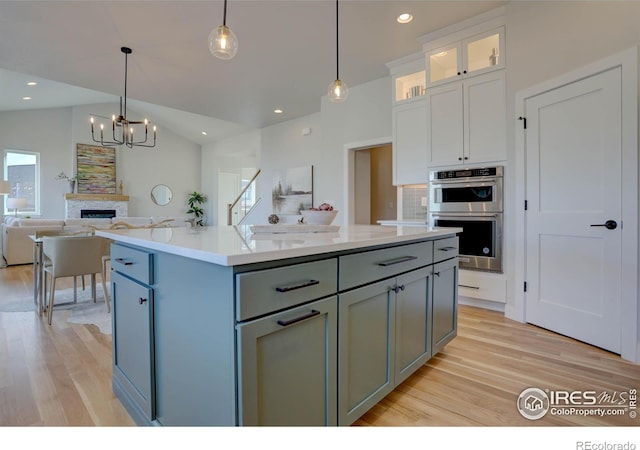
x,y
224,16
337,46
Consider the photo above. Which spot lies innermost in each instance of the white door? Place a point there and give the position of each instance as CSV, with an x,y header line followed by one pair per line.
x,y
573,181
228,191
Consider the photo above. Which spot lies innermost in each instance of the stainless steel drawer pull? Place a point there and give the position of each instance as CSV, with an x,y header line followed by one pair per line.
x,y
124,262
293,287
402,259
446,249
284,323
467,286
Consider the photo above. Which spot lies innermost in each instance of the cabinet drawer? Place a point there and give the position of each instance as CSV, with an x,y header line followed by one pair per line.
x,y
363,268
445,248
483,286
134,263
265,291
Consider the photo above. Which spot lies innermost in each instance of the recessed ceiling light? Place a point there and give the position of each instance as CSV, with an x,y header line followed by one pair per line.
x,y
278,111
26,98
204,133
32,83
405,18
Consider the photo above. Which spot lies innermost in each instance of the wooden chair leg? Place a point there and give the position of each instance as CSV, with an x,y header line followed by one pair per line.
x,y
93,286
107,300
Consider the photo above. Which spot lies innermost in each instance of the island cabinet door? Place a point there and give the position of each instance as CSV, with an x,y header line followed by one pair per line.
x,y
366,337
132,345
445,303
413,322
288,367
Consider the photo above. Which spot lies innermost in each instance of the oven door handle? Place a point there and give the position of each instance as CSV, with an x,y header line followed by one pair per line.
x,y
464,215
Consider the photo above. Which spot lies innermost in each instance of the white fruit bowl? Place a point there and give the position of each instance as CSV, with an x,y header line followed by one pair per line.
x,y
318,217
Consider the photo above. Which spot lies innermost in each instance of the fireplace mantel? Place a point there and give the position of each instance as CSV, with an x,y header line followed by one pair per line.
x,y
97,197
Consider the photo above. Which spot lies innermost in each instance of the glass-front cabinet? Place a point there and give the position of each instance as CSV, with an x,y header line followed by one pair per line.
x,y
409,78
410,86
478,54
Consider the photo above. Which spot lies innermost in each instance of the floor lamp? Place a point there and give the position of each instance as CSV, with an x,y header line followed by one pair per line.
x,y
5,189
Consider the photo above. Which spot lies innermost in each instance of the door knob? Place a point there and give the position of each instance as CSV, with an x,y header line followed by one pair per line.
x,y
609,225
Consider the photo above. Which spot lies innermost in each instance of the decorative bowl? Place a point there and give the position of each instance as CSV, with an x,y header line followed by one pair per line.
x,y
311,217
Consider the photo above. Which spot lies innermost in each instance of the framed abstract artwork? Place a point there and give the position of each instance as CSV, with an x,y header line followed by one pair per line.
x,y
96,169
292,190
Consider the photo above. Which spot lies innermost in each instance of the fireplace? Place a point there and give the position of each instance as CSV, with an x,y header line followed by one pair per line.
x,y
97,213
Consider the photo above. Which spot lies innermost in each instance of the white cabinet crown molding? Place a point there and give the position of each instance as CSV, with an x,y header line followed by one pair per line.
x,y
462,30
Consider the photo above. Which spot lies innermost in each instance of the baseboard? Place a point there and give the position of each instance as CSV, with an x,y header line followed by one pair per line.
x,y
486,304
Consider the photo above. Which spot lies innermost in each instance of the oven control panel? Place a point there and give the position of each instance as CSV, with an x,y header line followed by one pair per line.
x,y
467,173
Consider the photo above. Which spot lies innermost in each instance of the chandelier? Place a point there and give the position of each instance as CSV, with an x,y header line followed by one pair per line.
x,y
125,131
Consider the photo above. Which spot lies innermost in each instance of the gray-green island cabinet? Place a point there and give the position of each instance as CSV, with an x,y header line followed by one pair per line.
x,y
308,340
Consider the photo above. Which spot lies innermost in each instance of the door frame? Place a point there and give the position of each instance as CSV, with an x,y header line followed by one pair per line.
x,y
627,60
349,172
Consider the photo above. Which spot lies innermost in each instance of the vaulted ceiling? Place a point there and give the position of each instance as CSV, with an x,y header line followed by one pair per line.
x,y
286,57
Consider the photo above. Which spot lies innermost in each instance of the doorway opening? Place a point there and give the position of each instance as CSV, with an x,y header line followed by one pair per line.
x,y
375,195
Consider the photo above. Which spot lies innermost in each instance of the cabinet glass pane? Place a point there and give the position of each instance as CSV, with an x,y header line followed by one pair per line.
x,y
443,65
483,53
409,86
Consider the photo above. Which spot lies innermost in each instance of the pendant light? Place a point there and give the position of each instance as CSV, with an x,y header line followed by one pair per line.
x,y
122,128
223,43
338,90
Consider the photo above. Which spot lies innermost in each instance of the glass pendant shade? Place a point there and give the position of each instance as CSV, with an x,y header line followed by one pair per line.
x,y
338,91
223,42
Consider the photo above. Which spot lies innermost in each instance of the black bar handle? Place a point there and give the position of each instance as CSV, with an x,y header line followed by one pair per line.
x,y
124,262
293,287
446,249
609,225
469,287
402,259
313,313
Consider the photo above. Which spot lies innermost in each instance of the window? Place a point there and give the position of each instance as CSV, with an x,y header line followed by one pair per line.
x,y
22,170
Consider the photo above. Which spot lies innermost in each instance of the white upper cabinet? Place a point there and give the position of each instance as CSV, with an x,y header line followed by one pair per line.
x,y
409,79
475,55
466,121
409,118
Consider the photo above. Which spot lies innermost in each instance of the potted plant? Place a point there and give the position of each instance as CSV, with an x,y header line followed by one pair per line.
x,y
71,180
194,201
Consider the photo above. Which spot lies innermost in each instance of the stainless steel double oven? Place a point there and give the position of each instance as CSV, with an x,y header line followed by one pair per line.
x,y
471,199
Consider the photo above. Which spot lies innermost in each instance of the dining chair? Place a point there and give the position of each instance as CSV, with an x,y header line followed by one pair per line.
x,y
73,256
78,232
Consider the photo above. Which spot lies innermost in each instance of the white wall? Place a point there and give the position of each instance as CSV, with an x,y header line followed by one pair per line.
x,y
47,132
54,133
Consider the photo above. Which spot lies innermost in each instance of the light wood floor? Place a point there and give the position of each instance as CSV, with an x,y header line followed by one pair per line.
x,y
60,375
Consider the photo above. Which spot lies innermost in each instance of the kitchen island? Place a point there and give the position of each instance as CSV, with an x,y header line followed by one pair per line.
x,y
219,326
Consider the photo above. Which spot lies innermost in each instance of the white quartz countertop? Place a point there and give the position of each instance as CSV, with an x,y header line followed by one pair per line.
x,y
237,245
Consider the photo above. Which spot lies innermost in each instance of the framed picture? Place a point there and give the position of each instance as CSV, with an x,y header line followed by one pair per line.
x,y
96,169
292,190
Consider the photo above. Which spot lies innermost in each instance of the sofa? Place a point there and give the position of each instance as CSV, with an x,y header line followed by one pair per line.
x,y
17,246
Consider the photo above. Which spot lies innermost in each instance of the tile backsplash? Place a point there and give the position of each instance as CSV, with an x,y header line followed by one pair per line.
x,y
414,202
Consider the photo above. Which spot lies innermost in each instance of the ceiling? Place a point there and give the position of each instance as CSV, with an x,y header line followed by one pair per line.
x,y
286,57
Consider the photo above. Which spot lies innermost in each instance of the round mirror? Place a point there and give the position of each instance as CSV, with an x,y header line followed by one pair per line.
x,y
161,195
